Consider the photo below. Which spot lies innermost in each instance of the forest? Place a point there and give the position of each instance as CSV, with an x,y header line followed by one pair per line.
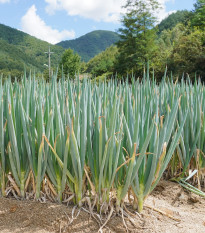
x,y
176,44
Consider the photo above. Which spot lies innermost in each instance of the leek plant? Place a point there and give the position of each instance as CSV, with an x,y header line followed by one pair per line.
x,y
103,152
16,147
191,133
148,142
3,158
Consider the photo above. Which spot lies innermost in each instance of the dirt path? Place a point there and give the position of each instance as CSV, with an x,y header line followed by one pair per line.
x,y
29,216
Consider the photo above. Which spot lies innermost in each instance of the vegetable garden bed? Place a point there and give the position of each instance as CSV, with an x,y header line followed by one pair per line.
x,y
100,147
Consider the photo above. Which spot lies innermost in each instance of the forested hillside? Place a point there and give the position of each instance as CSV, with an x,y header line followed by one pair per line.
x,y
19,50
172,20
91,44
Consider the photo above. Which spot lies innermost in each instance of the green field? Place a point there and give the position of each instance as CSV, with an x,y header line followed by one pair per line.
x,y
98,142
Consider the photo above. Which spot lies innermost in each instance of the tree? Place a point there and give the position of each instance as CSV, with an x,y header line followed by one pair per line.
x,y
199,14
71,63
188,54
166,42
182,50
137,36
103,62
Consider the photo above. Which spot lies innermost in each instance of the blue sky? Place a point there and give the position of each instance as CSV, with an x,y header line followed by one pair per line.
x,y
57,20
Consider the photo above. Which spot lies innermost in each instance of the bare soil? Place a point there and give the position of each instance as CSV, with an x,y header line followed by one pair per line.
x,y
169,209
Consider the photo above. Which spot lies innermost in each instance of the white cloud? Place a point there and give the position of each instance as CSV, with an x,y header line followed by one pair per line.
x,y
4,1
99,10
32,24
162,12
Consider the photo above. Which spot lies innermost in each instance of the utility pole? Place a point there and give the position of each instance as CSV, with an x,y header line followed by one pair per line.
x,y
49,61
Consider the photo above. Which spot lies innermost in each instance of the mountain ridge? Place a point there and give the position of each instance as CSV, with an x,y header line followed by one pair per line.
x,y
91,44
19,49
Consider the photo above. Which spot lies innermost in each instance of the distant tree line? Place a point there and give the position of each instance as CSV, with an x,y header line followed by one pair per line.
x,y
177,43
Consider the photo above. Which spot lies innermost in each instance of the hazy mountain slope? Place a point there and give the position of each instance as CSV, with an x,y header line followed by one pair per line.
x,y
19,50
173,19
91,44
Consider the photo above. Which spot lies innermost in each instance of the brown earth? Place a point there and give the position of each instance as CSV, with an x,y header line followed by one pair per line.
x,y
180,212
